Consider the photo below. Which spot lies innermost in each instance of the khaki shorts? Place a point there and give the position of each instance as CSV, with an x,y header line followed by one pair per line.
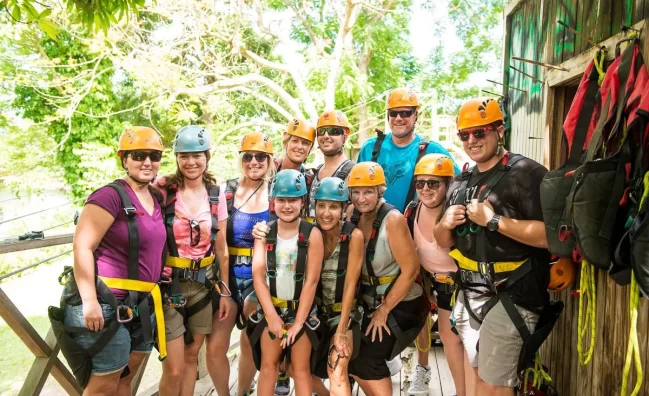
x,y
500,342
199,323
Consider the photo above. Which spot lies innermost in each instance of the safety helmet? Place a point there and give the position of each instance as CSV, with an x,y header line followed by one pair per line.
x,y
256,141
435,165
191,139
562,274
139,138
301,128
478,112
334,118
401,97
366,174
331,189
289,183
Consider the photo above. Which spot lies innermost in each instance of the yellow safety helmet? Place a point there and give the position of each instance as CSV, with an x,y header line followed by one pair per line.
x,y
478,112
366,174
435,165
301,128
401,97
139,138
333,118
256,141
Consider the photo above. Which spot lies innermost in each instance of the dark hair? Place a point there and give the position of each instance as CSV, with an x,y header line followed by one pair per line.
x,y
179,180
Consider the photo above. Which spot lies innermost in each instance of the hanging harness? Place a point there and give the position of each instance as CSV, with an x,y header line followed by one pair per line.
x,y
185,269
129,312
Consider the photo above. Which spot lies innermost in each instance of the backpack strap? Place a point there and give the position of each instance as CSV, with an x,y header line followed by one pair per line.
x,y
133,234
380,137
231,186
345,238
423,146
170,215
344,169
410,214
304,231
371,245
271,262
213,191
355,217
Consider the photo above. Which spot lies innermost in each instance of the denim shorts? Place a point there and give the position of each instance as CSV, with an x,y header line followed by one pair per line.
x,y
242,284
114,357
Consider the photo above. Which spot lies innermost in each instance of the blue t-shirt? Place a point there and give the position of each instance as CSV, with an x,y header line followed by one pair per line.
x,y
242,224
399,165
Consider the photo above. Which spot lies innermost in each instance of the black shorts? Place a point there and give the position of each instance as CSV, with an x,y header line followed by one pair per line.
x,y
443,294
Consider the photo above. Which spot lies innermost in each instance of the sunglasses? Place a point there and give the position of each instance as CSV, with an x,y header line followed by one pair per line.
x,y
332,131
432,184
194,233
141,155
477,133
260,157
402,113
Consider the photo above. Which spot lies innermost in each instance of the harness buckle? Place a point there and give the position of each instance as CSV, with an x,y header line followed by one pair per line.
x,y
176,302
165,280
124,314
292,304
218,288
344,237
312,323
130,211
270,247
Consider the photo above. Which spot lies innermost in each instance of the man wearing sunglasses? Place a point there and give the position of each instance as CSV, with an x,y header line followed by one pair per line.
x,y
493,219
399,151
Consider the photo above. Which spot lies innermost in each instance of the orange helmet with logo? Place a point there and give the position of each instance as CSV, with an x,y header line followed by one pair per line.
x,y
139,138
256,141
334,118
562,274
401,97
435,165
478,112
366,174
301,128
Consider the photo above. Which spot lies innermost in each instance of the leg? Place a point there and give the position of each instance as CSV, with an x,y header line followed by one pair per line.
x,y
339,377
382,387
270,356
300,366
102,384
134,362
420,384
172,368
218,343
247,368
319,387
453,350
191,363
470,375
423,339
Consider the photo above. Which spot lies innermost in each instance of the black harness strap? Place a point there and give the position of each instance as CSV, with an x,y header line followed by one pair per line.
x,y
231,187
343,257
423,146
380,136
410,214
271,263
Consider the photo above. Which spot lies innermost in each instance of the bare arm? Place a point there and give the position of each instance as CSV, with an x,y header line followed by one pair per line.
x,y
354,265
528,232
221,251
312,276
259,278
404,251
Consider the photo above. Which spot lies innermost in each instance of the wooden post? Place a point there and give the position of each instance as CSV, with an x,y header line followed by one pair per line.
x,y
40,369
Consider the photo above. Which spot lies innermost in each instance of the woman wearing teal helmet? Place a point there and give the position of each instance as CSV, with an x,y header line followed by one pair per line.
x,y
286,269
343,258
195,218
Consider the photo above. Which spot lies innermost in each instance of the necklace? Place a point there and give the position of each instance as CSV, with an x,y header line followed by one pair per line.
x,y
330,251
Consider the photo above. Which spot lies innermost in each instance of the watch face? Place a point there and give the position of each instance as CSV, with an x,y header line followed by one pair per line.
x,y
493,223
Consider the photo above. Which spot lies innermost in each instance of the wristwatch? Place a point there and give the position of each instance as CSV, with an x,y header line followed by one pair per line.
x,y
492,225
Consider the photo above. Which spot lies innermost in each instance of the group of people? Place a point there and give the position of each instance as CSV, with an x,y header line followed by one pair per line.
x,y
319,268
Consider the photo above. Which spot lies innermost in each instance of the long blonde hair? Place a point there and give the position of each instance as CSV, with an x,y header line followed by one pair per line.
x,y
270,172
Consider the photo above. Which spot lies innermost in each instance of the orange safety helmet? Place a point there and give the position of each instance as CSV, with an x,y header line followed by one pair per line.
x,y
478,112
334,118
366,174
401,97
435,165
562,274
139,138
301,128
256,141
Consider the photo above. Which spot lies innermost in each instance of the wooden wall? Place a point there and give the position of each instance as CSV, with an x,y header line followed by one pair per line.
x,y
537,116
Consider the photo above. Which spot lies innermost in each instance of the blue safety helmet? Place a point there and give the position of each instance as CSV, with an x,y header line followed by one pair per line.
x,y
289,183
191,139
331,189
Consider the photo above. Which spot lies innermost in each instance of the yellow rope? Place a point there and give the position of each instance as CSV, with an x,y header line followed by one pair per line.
x,y
633,350
599,65
430,336
587,296
540,376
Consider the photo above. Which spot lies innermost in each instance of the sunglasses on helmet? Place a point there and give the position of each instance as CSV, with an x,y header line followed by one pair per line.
x,y
402,113
260,157
141,155
477,133
332,131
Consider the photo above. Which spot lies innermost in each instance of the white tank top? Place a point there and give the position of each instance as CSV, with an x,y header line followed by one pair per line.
x,y
286,259
432,257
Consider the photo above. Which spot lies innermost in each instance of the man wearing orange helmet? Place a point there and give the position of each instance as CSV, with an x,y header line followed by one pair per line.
x,y
493,219
399,151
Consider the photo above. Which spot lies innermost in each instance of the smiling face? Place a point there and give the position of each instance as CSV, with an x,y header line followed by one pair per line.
x,y
365,199
482,149
297,149
331,145
141,169
402,126
431,197
328,214
192,165
288,209
255,169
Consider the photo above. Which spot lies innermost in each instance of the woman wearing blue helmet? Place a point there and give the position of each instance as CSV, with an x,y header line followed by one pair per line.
x,y
286,268
343,258
195,218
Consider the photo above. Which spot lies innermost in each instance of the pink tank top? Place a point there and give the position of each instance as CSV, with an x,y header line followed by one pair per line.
x,y
432,257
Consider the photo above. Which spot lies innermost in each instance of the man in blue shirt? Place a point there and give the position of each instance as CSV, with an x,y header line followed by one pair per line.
x,y
398,152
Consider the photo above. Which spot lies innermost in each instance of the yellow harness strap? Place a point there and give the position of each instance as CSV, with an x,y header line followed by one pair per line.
x,y
240,251
311,220
144,287
472,265
382,280
338,307
182,262
279,303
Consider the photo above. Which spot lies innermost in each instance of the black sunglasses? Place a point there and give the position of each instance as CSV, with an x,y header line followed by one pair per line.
x,y
260,157
477,133
194,227
141,155
432,184
332,131
402,113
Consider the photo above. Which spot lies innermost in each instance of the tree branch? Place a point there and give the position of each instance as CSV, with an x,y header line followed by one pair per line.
x,y
248,124
301,16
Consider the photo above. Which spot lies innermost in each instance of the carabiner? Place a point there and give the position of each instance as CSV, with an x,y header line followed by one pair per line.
x,y
165,280
218,289
461,231
335,364
476,229
176,302
124,314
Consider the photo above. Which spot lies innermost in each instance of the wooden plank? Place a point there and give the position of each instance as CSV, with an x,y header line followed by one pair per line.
x,y
67,381
39,243
512,6
643,340
23,329
40,369
604,21
445,376
638,11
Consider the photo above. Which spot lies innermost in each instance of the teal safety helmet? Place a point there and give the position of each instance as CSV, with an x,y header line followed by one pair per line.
x,y
191,139
289,183
331,189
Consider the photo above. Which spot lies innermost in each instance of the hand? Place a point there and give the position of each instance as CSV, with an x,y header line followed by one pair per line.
x,y
480,213
275,326
260,230
454,216
225,307
291,334
341,344
378,324
93,317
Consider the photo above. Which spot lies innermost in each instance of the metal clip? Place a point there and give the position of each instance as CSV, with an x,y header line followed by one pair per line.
x,y
218,288
124,314
176,302
335,364
312,323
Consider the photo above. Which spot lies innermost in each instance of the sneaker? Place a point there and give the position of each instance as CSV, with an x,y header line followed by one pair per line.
x,y
283,386
420,381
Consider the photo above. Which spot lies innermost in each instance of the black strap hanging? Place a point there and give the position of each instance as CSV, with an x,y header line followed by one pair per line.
x,y
423,146
380,137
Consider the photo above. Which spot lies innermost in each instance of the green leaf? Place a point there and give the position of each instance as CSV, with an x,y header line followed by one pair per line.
x,y
15,13
49,28
46,12
30,10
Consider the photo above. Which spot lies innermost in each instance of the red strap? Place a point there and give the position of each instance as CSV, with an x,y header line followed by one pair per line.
x,y
344,237
270,247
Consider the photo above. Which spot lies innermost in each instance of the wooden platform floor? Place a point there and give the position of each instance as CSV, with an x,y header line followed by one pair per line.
x,y
441,383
